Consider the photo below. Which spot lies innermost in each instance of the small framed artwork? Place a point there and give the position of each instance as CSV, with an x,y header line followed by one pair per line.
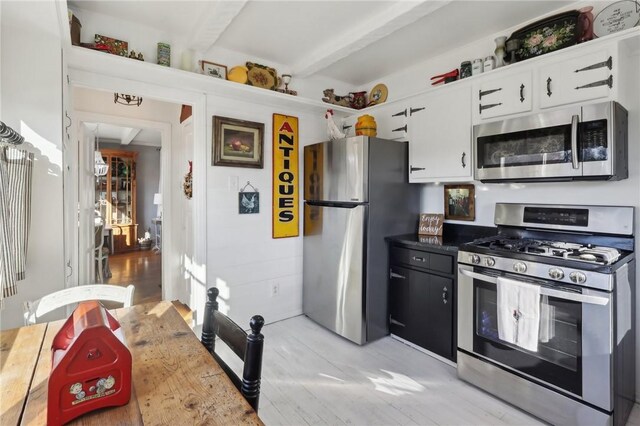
x,y
214,70
248,202
459,202
237,143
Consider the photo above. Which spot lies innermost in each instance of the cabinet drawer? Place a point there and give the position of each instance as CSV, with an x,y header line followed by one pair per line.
x,y
441,263
409,257
421,259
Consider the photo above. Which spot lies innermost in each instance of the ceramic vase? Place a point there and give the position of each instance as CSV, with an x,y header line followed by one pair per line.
x,y
500,51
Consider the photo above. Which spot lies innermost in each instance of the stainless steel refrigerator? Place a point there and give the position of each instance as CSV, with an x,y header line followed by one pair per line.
x,y
356,193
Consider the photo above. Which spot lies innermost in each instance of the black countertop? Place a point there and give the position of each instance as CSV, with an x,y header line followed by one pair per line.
x,y
453,236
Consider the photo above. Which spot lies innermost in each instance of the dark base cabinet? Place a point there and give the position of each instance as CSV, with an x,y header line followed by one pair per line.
x,y
422,299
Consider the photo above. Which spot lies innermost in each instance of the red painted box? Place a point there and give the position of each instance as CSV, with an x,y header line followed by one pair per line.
x,y
91,365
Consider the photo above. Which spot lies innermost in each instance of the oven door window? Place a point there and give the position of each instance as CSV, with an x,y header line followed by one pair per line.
x,y
549,145
558,359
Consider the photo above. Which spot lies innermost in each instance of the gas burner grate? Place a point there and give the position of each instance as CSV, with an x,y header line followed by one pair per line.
x,y
571,251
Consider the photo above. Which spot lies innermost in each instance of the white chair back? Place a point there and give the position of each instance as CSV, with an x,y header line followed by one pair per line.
x,y
99,238
112,293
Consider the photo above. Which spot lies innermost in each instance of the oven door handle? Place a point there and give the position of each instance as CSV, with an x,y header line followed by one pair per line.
x,y
564,295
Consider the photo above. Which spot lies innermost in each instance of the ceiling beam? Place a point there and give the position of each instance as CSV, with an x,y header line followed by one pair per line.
x,y
397,16
213,22
128,134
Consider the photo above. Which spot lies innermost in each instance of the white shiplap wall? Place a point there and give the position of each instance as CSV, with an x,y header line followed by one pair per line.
x,y
243,260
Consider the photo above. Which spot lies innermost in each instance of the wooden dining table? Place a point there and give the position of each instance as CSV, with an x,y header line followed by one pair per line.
x,y
175,381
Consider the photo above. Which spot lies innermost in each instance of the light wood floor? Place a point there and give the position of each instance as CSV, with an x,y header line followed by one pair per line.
x,y
313,377
140,268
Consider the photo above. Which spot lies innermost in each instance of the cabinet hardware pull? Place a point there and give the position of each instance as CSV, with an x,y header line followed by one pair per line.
x,y
401,113
482,93
394,322
608,63
394,275
415,169
549,93
464,154
403,128
574,141
69,118
483,107
346,127
522,93
607,82
418,259
414,110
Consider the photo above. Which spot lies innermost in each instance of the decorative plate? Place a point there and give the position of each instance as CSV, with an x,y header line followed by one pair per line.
x,y
378,94
238,74
262,76
617,17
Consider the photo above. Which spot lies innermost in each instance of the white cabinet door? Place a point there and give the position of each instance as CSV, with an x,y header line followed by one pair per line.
x,y
391,120
440,136
582,78
510,94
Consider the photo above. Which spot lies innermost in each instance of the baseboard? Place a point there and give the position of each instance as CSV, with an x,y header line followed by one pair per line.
x,y
424,351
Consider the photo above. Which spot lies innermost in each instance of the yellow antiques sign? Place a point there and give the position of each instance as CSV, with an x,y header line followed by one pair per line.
x,y
285,176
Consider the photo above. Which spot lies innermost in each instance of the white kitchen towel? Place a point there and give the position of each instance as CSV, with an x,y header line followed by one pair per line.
x,y
529,322
518,313
507,302
547,320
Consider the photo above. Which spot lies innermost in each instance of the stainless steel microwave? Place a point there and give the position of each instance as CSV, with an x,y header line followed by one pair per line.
x,y
578,143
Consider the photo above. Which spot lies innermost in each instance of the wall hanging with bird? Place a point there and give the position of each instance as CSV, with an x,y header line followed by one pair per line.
x,y
248,202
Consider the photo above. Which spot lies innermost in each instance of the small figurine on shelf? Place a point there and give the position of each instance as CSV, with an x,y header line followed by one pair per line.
x,y
140,57
332,98
132,54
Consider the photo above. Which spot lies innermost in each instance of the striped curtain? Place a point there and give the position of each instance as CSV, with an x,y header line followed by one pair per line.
x,y
16,173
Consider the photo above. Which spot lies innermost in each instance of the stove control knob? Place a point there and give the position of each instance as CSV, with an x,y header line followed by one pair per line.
x,y
489,261
578,277
519,267
475,259
556,273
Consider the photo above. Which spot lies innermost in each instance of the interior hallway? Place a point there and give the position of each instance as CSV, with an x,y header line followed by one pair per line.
x,y
143,269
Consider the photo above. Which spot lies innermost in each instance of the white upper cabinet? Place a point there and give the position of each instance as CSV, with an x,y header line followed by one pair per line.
x,y
391,120
439,131
504,95
577,79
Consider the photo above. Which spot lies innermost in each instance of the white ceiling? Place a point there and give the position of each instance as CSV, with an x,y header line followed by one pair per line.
x,y
108,133
351,40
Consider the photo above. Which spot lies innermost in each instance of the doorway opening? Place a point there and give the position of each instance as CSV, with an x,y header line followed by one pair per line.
x,y
128,208
124,154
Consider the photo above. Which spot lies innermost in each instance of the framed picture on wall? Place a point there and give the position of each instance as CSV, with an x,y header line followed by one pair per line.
x,y
237,143
459,202
214,70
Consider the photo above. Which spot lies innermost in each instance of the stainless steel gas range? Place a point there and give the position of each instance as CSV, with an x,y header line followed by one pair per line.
x,y
568,357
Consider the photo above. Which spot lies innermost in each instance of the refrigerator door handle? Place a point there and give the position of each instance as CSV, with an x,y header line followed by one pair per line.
x,y
343,205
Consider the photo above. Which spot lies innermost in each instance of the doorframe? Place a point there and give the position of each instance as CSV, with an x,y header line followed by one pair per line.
x,y
85,189
198,101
